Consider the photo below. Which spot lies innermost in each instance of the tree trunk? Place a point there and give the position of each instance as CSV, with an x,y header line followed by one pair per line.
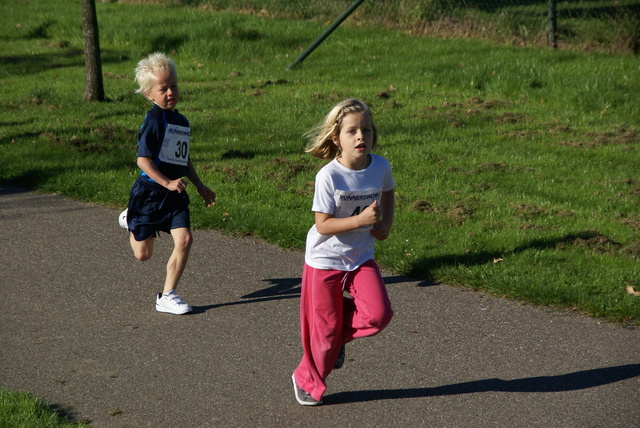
x,y
93,88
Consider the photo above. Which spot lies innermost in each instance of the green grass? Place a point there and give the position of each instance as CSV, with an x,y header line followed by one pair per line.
x,y
23,410
516,168
603,25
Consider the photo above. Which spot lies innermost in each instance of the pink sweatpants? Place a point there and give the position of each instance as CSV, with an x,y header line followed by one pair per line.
x,y
329,320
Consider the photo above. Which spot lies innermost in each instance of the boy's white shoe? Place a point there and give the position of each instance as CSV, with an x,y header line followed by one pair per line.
x,y
122,219
171,303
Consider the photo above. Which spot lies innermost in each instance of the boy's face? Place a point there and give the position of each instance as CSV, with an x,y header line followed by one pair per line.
x,y
164,91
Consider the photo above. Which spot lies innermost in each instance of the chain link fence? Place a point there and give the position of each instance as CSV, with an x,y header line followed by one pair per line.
x,y
581,23
608,25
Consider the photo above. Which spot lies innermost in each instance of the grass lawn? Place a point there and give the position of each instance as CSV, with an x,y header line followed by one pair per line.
x,y
516,168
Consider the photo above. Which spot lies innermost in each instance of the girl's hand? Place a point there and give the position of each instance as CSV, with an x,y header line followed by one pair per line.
x,y
370,215
208,195
381,231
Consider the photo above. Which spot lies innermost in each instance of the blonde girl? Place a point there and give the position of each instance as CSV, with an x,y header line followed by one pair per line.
x,y
353,205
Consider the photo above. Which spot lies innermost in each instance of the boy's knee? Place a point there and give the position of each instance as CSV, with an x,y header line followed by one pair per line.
x,y
185,242
143,256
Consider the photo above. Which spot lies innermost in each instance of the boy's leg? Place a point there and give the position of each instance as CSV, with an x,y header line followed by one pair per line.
x,y
370,310
320,327
182,240
142,250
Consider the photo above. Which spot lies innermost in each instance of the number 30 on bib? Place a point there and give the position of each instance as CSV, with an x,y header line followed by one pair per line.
x,y
175,147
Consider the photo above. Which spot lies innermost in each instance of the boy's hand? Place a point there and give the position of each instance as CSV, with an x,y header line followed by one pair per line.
x,y
177,185
208,195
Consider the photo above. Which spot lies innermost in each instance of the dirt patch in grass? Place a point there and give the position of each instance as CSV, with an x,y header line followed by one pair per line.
x,y
620,136
234,174
286,169
516,134
422,206
457,112
458,213
512,118
527,211
555,128
592,240
597,244
632,222
530,226
455,214
490,166
633,249
283,171
107,133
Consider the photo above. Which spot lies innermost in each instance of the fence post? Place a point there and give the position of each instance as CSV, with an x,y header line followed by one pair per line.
x,y
326,33
553,24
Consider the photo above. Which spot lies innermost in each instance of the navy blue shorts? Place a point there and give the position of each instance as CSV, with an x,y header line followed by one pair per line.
x,y
154,209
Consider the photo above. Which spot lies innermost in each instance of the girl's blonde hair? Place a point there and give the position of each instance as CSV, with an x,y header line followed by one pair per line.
x,y
149,68
322,145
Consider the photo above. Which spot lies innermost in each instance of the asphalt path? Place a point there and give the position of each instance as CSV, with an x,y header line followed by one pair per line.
x,y
80,331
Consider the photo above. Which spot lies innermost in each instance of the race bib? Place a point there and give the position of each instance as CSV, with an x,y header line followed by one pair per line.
x,y
175,147
350,203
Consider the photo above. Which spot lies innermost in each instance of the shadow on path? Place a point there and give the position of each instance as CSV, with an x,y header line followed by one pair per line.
x,y
567,382
287,288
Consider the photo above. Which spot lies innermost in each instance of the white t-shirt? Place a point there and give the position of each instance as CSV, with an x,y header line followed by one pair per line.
x,y
343,192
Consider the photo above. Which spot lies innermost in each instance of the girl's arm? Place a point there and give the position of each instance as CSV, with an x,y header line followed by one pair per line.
x,y
326,224
382,229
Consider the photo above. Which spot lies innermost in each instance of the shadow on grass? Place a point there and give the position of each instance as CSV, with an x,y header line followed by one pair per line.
x,y
61,58
560,383
29,180
424,267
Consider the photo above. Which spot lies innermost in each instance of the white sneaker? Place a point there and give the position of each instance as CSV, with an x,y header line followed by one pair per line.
x,y
122,219
302,396
171,303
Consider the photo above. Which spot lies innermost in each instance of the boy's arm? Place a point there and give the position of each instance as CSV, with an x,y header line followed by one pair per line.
x,y
147,165
207,194
382,229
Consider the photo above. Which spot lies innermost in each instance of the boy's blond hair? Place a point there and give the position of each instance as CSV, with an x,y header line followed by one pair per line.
x,y
149,68
322,145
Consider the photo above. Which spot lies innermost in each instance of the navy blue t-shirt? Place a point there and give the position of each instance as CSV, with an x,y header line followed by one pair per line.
x,y
165,137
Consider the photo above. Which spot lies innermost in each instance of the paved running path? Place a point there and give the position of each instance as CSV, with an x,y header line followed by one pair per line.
x,y
80,331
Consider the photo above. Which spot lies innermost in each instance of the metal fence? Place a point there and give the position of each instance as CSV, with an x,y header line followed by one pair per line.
x,y
586,23
556,18
600,24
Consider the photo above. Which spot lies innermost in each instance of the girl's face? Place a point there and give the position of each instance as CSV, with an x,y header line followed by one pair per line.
x,y
355,140
164,91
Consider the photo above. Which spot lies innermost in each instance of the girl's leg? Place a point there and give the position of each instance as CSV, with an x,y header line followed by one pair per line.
x,y
370,310
321,321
